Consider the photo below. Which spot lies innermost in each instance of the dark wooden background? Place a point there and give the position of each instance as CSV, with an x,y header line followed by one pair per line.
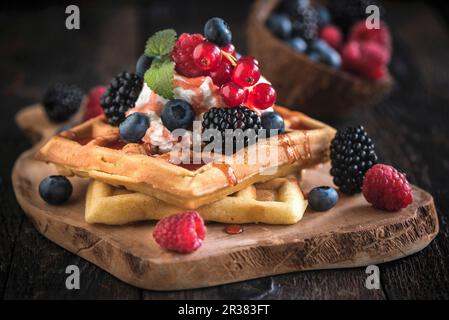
x,y
411,129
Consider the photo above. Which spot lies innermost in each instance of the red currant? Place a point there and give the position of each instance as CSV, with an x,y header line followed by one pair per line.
x,y
250,59
246,73
229,48
262,96
232,94
207,56
223,74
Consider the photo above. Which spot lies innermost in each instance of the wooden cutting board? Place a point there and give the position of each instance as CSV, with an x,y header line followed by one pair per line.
x,y
351,234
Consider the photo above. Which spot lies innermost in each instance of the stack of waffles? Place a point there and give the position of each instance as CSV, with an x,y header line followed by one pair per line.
x,y
129,184
181,81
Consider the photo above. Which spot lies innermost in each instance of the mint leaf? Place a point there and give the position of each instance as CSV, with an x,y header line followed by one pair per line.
x,y
161,43
160,77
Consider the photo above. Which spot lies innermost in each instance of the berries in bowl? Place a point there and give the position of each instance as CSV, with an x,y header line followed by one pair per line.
x,y
321,59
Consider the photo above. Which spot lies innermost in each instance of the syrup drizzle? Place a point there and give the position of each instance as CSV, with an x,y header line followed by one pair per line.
x,y
292,153
307,144
188,166
234,229
111,142
191,166
83,141
69,134
227,171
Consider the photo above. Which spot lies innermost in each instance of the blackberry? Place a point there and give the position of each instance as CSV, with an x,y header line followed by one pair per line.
x,y
352,154
62,101
121,96
241,118
347,12
292,6
305,23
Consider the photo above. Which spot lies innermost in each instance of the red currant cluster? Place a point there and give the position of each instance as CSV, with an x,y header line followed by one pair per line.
x,y
237,79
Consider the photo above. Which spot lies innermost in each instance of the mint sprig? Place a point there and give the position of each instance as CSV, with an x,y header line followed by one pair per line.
x,y
161,43
160,77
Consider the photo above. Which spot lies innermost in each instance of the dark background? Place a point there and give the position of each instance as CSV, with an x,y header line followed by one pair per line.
x,y
411,129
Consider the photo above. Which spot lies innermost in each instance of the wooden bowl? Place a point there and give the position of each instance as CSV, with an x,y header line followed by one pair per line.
x,y
301,83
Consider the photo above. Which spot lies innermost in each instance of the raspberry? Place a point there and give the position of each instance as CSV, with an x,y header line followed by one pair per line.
x,y
386,188
182,55
360,33
93,107
182,232
366,58
332,35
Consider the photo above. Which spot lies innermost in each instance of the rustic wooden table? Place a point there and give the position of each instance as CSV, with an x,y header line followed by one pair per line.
x,y
410,128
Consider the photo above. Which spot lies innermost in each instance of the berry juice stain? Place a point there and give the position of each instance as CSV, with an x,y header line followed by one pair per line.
x,y
234,229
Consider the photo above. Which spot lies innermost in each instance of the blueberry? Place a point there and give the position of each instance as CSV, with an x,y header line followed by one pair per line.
x,y
319,45
333,59
315,56
298,44
134,127
55,189
217,31
324,53
177,114
324,16
280,25
143,64
322,198
272,121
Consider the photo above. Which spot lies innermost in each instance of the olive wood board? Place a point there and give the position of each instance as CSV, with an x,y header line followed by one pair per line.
x,y
351,234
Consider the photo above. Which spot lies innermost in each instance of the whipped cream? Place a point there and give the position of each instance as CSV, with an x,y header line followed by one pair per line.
x,y
149,100
158,135
204,97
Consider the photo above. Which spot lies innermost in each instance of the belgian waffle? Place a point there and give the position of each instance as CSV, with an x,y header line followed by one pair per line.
x,y
93,150
278,201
